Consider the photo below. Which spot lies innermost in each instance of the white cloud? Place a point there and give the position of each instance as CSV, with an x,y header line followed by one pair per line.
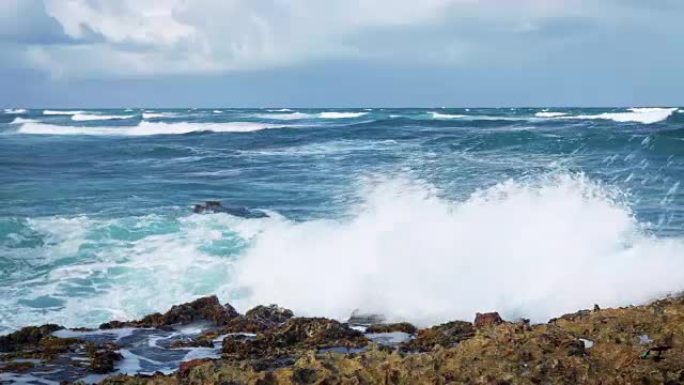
x,y
141,37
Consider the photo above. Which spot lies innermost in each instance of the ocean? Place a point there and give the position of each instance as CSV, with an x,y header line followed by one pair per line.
x,y
424,215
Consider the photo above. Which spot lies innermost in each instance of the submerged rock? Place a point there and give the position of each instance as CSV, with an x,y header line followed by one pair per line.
x,y
216,207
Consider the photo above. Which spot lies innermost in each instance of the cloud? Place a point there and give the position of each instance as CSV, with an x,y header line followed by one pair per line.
x,y
160,37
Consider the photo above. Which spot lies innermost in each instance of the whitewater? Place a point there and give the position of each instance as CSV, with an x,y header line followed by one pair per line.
x,y
423,215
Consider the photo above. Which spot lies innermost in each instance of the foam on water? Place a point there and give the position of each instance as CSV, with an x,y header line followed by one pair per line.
x,y
341,115
61,112
549,114
142,129
524,249
90,117
286,116
438,115
638,115
158,115
15,111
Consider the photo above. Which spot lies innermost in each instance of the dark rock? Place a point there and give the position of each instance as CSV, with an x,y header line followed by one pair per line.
x,y
27,337
487,319
202,309
187,366
103,361
294,335
217,207
269,314
444,335
395,327
358,318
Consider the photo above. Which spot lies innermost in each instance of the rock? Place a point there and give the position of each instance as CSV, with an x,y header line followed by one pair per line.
x,y
269,314
296,334
358,318
487,319
404,327
187,366
103,361
202,309
217,207
445,335
27,337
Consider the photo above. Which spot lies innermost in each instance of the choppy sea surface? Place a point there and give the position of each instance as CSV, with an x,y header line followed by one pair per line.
x,y
424,215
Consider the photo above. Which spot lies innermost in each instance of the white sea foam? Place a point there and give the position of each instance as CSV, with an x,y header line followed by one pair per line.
x,y
84,117
158,115
549,114
285,116
15,111
61,112
341,115
142,129
638,115
524,249
532,249
439,115
22,120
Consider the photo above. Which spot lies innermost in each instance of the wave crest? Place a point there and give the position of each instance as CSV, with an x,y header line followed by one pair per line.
x,y
142,129
523,249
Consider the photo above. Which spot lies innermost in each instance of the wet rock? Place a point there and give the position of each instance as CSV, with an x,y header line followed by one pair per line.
x,y
202,309
445,335
216,207
187,366
269,314
487,319
403,327
16,367
27,337
103,361
294,335
359,318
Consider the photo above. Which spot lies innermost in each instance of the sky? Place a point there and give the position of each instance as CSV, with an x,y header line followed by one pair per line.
x,y
341,53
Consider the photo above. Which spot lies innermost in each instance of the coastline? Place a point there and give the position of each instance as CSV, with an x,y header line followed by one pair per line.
x,y
210,343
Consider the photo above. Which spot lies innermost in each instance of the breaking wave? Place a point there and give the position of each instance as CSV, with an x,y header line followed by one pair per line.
x,y
524,249
341,115
637,115
142,129
438,115
549,114
15,111
61,112
92,117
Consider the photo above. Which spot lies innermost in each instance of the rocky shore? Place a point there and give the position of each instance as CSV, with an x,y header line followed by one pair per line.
x,y
206,342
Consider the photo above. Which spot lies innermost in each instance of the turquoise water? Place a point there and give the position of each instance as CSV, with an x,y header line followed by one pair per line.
x,y
402,211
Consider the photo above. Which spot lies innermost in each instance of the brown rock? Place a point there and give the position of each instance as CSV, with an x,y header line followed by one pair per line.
x,y
487,319
395,327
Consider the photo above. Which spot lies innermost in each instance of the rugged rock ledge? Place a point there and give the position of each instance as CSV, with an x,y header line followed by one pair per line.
x,y
269,345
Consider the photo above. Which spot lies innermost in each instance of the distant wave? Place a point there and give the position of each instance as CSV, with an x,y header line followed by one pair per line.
x,y
286,116
142,129
61,112
14,111
341,115
439,115
549,114
638,115
89,117
21,121
158,115
280,110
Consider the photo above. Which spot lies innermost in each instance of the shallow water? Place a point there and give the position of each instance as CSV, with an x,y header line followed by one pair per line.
x,y
531,212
